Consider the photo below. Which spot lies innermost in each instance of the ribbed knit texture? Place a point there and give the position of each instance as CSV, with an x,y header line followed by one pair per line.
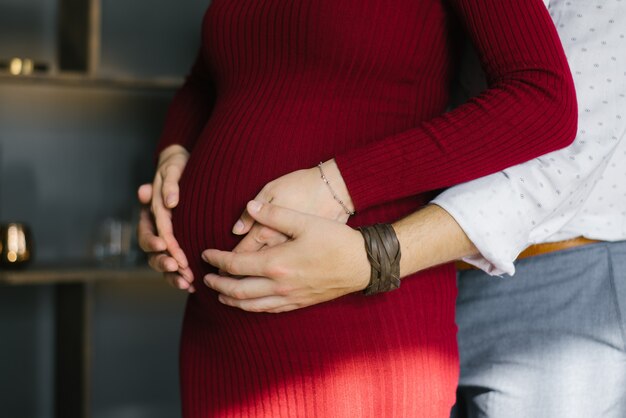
x,y
281,85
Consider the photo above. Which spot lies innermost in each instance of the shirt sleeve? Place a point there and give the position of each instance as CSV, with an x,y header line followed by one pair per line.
x,y
528,110
504,213
189,110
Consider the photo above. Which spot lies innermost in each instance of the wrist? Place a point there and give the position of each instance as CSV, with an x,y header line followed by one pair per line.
x,y
384,254
337,185
361,266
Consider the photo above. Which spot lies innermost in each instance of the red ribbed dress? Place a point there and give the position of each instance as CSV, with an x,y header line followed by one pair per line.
x,y
280,85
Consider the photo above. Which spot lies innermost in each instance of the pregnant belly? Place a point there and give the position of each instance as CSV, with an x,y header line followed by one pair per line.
x,y
228,166
240,152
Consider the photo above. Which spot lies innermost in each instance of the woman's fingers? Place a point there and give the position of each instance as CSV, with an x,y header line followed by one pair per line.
x,y
258,237
287,221
186,274
243,224
156,246
165,196
239,264
170,189
246,221
175,280
144,193
269,304
162,263
250,242
241,289
147,238
172,162
163,220
155,231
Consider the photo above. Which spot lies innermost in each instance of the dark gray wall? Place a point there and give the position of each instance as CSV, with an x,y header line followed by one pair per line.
x,y
26,351
150,38
136,333
70,156
28,29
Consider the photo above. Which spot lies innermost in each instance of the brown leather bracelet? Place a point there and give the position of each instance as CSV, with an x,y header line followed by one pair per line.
x,y
383,253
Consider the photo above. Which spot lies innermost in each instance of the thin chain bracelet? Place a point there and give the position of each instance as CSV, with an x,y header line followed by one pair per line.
x,y
332,191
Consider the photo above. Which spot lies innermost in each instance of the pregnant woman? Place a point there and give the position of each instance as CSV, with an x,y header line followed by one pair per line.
x,y
279,86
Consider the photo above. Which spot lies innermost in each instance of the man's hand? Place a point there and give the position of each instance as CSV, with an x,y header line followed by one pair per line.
x,y
321,260
324,259
301,190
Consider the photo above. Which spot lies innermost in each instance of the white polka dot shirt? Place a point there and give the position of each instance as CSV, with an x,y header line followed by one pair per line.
x,y
576,191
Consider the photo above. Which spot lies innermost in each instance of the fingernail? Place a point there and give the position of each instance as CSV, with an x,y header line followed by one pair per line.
x,y
238,227
204,257
184,263
186,275
171,200
254,206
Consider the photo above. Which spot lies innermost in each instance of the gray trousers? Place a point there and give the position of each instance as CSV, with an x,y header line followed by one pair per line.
x,y
550,341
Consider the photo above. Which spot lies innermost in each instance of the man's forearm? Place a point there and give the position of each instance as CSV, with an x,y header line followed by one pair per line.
x,y
430,237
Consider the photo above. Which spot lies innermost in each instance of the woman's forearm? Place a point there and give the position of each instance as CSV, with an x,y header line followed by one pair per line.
x,y
528,110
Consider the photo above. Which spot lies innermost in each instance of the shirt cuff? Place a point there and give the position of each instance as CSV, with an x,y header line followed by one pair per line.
x,y
498,236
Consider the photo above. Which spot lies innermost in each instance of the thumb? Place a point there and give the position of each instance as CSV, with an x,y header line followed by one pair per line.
x,y
145,193
287,221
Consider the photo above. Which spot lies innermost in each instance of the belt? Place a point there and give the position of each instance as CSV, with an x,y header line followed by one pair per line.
x,y
538,249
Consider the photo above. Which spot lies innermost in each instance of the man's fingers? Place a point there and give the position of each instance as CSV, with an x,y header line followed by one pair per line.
x,y
238,264
146,235
287,221
247,288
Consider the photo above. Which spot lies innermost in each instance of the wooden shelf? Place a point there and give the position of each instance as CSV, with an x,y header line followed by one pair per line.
x,y
38,276
84,81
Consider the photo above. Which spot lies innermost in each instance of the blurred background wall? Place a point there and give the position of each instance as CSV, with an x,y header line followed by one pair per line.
x,y
72,152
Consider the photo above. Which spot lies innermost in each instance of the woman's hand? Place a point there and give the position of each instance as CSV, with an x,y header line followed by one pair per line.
x,y
156,248
302,190
321,260
155,233
165,195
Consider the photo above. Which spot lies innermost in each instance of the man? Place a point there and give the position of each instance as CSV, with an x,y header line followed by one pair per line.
x,y
550,342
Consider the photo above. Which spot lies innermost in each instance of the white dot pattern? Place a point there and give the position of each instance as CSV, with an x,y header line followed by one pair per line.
x,y
576,191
